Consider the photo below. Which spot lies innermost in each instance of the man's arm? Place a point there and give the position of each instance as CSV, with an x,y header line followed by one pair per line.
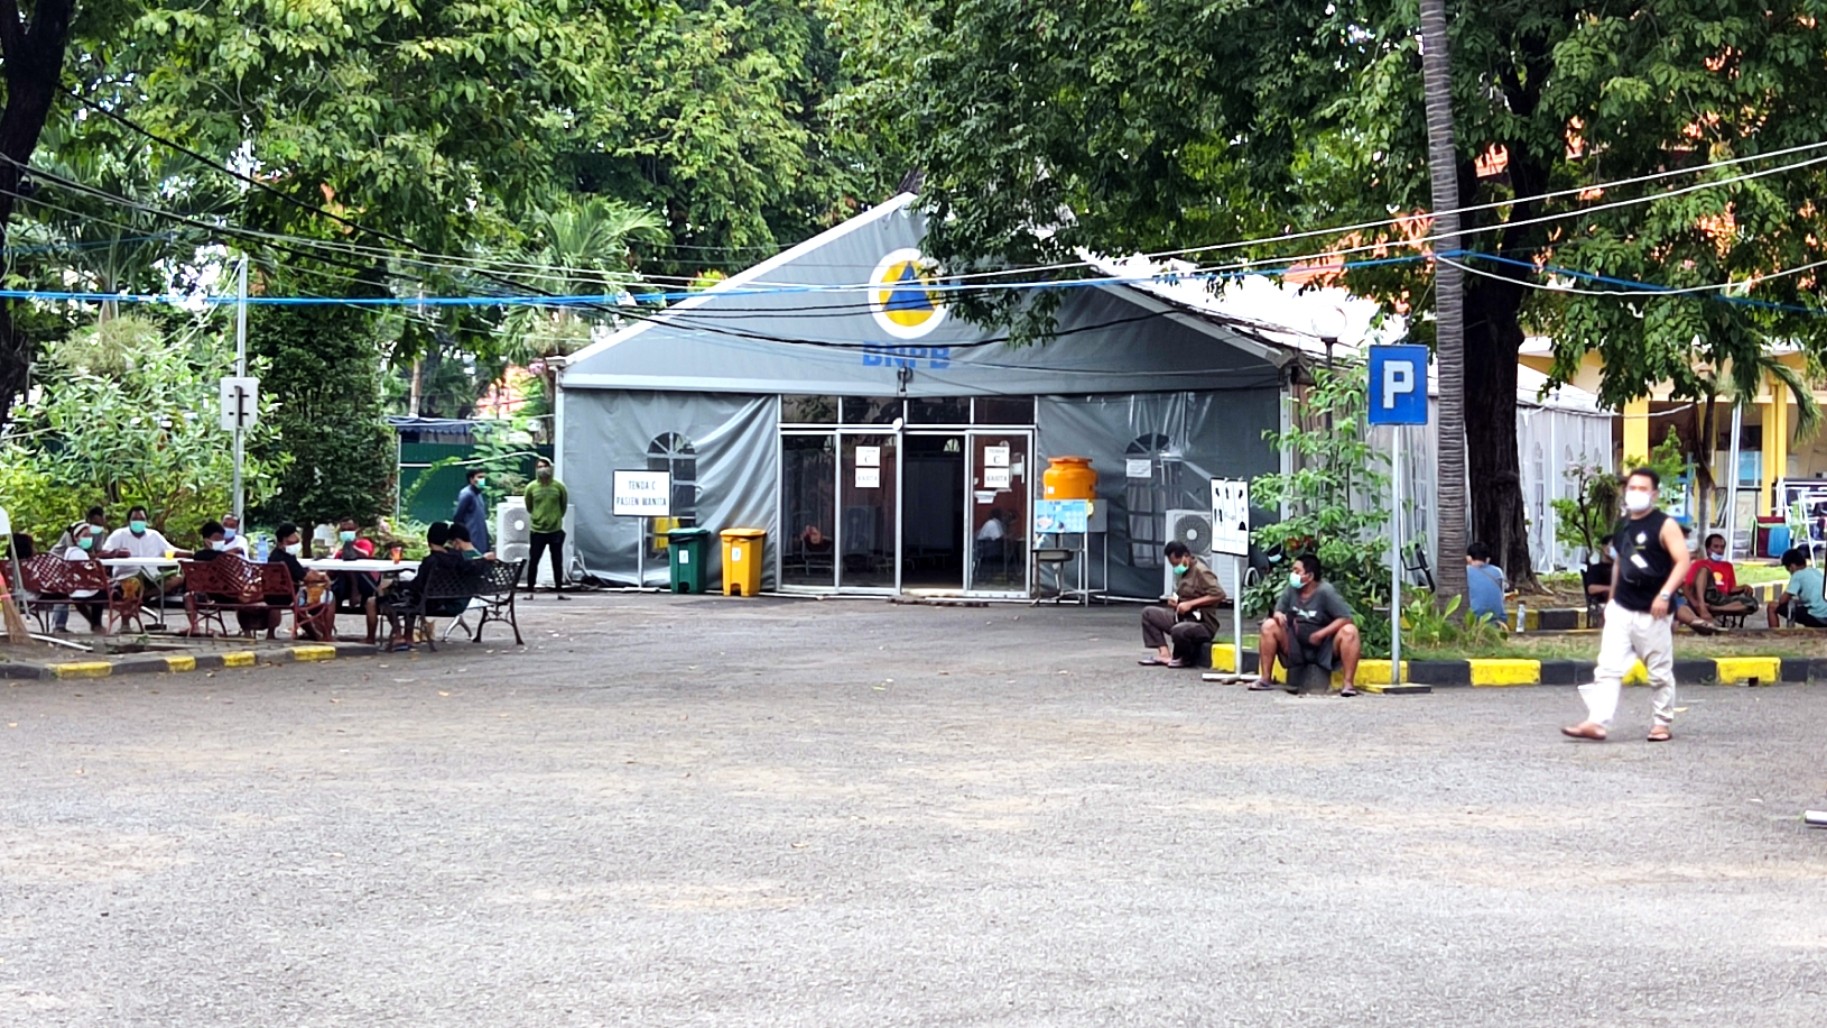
x,y
1341,615
564,499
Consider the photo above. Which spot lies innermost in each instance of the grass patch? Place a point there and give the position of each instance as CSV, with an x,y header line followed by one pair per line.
x,y
1585,646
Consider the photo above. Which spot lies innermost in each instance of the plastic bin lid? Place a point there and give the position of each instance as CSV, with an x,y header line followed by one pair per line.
x,y
687,533
744,533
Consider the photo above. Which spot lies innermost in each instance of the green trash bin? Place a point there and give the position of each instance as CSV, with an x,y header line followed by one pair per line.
x,y
685,555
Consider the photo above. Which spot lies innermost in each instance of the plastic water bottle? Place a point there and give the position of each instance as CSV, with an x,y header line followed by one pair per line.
x,y
1522,615
260,549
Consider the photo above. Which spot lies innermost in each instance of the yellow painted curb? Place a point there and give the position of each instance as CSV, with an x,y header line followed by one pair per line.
x,y
1505,671
180,662
240,658
82,669
1532,620
1744,669
1224,657
313,653
1374,672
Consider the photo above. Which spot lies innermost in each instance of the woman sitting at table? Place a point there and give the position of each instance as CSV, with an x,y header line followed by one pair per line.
x,y
87,602
351,587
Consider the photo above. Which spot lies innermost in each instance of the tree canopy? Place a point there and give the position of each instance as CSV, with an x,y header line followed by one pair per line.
x,y
1176,123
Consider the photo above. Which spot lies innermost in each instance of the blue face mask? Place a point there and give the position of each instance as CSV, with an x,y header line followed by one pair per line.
x,y
1181,569
228,534
87,542
347,537
137,527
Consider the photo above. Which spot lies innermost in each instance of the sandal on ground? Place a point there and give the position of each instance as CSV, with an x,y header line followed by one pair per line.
x,y
1176,662
1706,628
1261,685
1152,662
1584,730
1349,690
1660,733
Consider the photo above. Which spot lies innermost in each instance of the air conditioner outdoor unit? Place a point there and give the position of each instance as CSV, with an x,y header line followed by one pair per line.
x,y
513,530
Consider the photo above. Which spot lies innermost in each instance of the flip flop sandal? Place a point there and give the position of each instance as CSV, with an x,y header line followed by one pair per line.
x,y
1660,735
1579,732
1350,690
1262,685
1152,662
1175,663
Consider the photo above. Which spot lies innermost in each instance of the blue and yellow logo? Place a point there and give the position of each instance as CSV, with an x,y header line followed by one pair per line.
x,y
901,297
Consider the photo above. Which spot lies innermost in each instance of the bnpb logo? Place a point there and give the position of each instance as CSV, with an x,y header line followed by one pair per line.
x,y
901,295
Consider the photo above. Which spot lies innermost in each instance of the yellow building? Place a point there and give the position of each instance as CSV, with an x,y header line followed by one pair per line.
x,y
1768,448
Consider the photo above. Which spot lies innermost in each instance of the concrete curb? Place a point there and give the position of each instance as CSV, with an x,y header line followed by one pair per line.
x,y
179,663
1506,672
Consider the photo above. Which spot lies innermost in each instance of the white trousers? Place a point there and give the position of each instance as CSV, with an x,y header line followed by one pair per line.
x,y
1629,637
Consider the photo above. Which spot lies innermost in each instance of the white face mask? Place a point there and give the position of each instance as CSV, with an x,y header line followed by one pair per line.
x,y
1716,554
218,545
1637,500
295,549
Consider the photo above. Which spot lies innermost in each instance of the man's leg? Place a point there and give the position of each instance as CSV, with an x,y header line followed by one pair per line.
x,y
558,562
61,621
1777,610
1654,641
1274,643
536,549
1615,657
1350,647
1696,593
1190,638
1156,623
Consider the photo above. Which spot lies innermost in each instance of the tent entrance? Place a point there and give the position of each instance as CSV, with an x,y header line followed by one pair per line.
x,y
935,510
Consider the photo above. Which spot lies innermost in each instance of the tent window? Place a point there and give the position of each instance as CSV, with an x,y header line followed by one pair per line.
x,y
871,410
955,410
1147,499
1003,410
673,453
808,410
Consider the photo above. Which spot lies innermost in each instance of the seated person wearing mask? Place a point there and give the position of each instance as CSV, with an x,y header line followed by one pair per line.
x,y
1712,584
356,589
93,528
140,539
1804,599
1189,620
1312,625
233,541
1484,585
87,602
319,614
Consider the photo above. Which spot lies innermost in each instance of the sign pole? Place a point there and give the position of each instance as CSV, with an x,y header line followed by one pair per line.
x,y
1241,563
1395,564
240,372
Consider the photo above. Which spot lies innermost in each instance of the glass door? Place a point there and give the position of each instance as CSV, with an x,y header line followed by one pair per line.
x,y
999,511
935,500
868,528
808,510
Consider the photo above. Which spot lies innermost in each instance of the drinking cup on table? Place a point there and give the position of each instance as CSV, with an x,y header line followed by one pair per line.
x,y
396,551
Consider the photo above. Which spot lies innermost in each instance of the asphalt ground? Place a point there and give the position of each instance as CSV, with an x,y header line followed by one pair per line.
x,y
757,812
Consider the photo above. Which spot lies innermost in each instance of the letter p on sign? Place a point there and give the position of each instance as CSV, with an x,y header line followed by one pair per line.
x,y
1398,390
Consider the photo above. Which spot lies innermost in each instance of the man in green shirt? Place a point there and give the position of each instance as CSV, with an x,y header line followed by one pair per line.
x,y
546,502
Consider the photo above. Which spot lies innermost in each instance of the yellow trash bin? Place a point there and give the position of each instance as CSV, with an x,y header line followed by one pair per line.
x,y
742,554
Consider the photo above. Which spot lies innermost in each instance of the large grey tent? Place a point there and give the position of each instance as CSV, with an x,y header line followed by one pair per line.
x,y
887,444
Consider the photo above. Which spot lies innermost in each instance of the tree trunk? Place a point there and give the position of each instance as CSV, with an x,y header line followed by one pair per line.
x,y
1494,338
1449,298
33,55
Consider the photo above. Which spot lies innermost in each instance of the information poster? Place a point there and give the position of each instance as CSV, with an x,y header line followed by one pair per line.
x,y
868,478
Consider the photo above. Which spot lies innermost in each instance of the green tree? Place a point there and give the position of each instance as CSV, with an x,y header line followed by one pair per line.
x,y
128,415
1175,123
323,371
723,125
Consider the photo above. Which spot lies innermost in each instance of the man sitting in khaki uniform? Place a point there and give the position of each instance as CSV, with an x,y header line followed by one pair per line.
x,y
1178,629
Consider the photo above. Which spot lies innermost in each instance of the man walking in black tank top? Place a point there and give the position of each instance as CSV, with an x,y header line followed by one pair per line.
x,y
1652,563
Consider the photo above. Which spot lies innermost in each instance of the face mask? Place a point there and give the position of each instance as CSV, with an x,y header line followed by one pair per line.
x,y
1295,580
136,527
87,542
1716,554
228,534
346,536
218,545
295,549
1637,501
95,530
1181,569
480,482
1611,553
545,474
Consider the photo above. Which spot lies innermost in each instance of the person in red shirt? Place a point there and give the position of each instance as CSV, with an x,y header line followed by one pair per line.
x,y
1712,585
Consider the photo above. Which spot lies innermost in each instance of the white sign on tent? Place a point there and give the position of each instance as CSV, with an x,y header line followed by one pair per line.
x,y
643,494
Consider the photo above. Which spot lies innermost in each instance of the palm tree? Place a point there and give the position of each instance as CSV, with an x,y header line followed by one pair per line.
x,y
1449,296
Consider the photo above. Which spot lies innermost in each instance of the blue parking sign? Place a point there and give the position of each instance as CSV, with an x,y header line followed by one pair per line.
x,y
1398,385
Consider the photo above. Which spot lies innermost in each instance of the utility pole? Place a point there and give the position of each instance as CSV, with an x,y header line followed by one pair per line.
x,y
240,373
1449,297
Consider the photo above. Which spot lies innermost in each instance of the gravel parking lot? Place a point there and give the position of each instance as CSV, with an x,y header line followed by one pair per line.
x,y
704,811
